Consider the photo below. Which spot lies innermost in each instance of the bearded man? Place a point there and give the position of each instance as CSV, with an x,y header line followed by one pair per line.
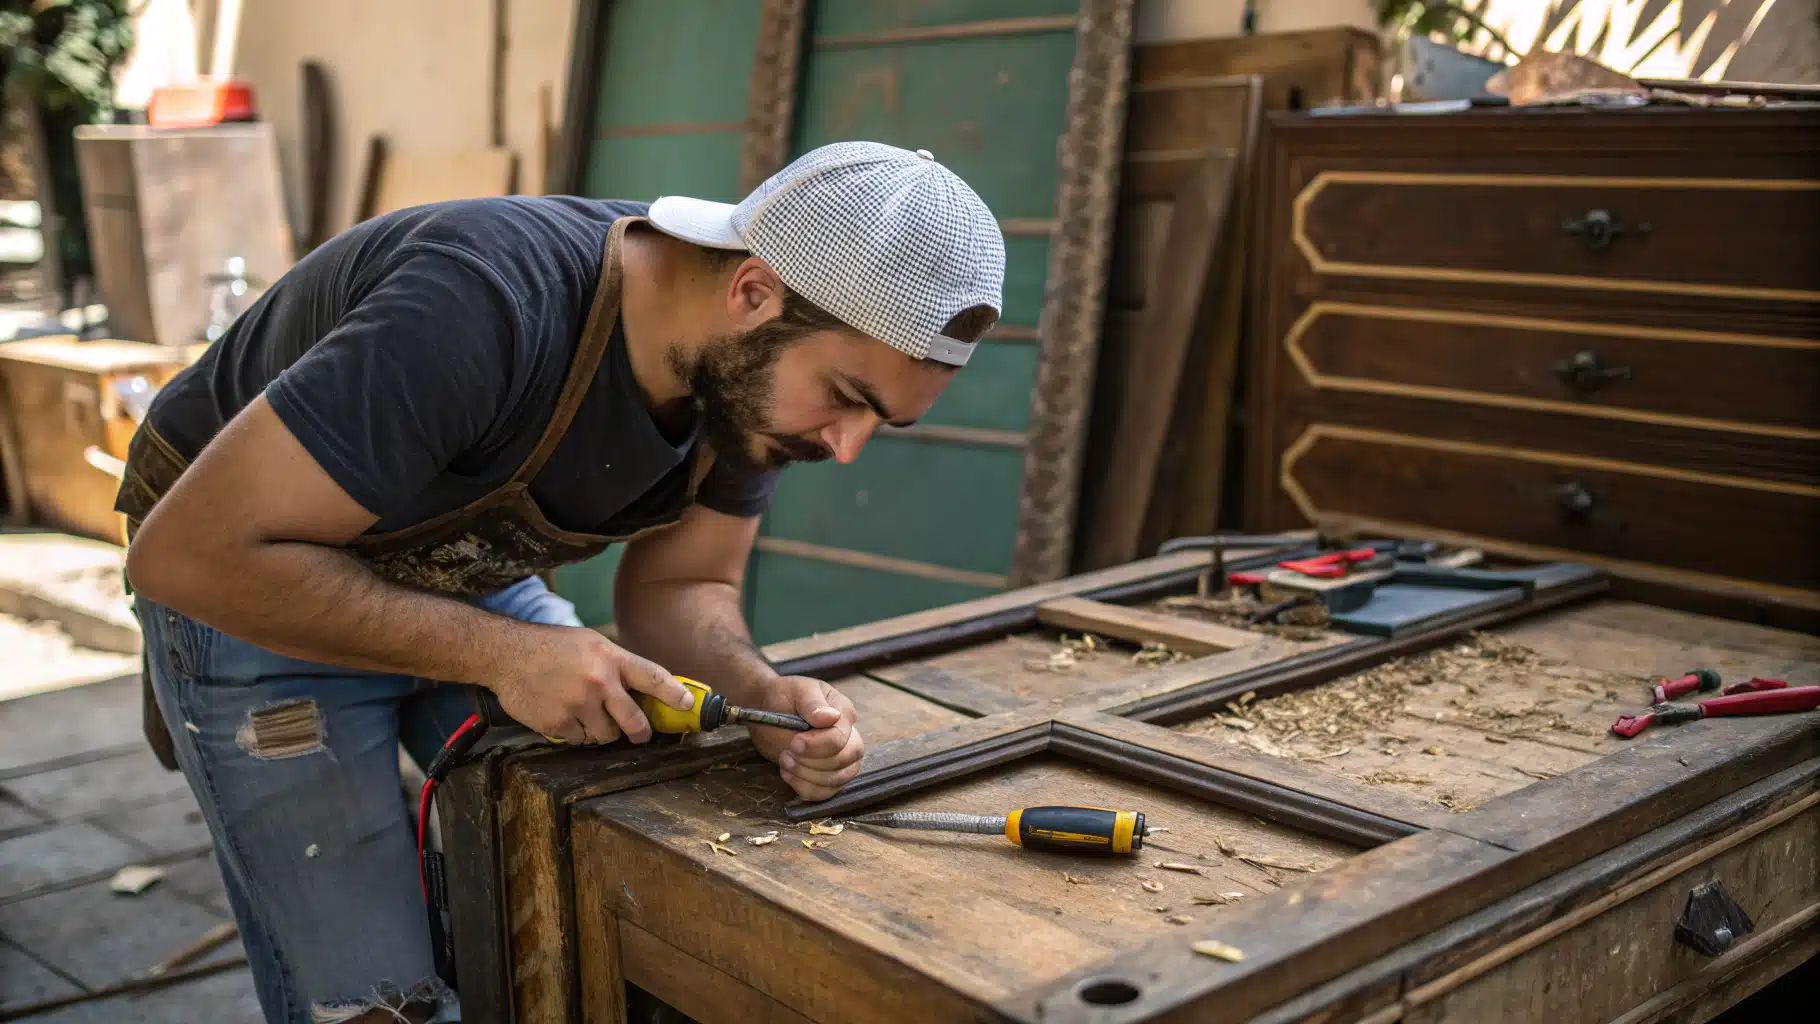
x,y
347,502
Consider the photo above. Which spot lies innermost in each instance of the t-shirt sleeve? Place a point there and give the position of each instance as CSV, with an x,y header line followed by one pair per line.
x,y
735,492
413,375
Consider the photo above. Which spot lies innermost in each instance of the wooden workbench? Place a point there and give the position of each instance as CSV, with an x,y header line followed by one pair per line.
x,y
1435,828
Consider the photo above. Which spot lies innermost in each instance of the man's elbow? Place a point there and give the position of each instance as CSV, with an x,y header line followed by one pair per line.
x,y
156,569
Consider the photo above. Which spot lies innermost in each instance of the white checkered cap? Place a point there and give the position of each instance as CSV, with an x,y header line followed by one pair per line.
x,y
888,240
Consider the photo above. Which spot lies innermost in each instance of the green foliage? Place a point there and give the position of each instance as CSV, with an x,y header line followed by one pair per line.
x,y
61,54
1455,22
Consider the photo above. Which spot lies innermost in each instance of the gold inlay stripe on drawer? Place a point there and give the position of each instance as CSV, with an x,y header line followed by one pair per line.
x,y
1324,307
1644,571
1298,232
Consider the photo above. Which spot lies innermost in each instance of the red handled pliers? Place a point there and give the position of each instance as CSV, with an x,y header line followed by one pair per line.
x,y
1757,697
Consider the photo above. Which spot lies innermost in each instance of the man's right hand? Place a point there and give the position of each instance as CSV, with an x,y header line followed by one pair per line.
x,y
577,686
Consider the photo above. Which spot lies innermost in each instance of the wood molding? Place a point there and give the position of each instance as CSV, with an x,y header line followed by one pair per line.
x,y
965,30
1089,155
771,96
1192,637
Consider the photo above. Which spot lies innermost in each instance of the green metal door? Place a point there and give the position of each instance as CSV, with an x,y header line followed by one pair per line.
x,y
928,516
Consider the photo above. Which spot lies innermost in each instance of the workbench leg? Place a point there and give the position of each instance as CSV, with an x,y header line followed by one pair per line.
x,y
603,976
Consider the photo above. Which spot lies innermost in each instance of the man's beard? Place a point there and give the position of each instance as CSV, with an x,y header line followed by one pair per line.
x,y
733,381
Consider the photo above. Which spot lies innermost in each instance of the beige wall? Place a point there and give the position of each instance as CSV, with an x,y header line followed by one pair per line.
x,y
417,71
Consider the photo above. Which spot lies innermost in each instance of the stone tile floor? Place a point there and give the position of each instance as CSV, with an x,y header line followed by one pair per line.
x,y
81,797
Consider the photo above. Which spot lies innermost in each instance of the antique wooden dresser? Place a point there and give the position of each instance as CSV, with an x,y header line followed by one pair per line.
x,y
1553,333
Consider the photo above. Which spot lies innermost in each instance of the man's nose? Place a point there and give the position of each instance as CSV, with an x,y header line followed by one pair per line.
x,y
847,435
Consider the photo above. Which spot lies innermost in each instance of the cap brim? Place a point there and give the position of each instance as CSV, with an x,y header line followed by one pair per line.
x,y
697,220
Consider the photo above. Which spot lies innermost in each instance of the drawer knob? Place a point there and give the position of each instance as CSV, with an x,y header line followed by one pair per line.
x,y
1599,227
1712,922
1586,373
1576,501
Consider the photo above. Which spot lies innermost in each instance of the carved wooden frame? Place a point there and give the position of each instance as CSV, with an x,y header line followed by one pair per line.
x,y
514,915
512,957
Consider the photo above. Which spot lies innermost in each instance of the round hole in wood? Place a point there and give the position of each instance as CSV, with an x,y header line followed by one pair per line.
x,y
1107,992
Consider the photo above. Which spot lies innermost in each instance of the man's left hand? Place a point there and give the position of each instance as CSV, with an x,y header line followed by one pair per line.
x,y
819,762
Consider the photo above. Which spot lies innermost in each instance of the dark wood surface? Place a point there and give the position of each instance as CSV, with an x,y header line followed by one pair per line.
x,y
1403,357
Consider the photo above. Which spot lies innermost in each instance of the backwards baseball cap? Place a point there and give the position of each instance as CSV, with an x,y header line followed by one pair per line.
x,y
887,240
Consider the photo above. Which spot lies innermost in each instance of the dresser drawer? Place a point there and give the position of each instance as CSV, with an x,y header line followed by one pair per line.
x,y
1618,958
1736,383
1719,237
1720,532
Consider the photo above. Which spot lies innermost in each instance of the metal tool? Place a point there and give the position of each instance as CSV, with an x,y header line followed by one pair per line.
x,y
710,711
1769,699
1218,543
1062,829
1702,680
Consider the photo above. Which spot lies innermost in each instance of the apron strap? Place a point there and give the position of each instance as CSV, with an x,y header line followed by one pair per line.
x,y
603,318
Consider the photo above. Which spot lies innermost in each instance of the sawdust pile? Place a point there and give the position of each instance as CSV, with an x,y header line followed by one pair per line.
x,y
1328,720
1299,624
1072,650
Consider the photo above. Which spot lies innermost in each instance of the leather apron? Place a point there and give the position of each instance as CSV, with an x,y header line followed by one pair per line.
x,y
490,543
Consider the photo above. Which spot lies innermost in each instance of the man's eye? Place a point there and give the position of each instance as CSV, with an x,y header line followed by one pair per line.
x,y
844,400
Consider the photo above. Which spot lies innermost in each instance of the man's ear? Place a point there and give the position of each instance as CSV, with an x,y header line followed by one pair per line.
x,y
755,293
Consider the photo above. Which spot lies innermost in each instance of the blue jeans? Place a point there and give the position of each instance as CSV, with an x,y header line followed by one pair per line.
x,y
296,767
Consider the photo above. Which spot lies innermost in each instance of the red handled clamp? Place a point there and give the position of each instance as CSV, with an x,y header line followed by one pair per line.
x,y
1770,697
1330,566
1700,679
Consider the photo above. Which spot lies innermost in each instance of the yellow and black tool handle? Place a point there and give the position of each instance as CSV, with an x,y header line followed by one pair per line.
x,y
1076,829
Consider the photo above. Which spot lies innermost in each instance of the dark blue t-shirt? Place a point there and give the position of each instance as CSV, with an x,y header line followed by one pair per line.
x,y
418,358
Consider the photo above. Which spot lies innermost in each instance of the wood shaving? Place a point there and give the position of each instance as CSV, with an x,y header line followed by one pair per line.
x,y
1219,951
717,848
723,837
1264,862
1537,775
1454,803
1160,910
1342,752
1076,879
1301,625
1380,778
765,840
1234,722
1226,848
1434,751
730,814
1173,866
1150,885
1179,919
1155,653
1494,738
1218,899
816,828
814,844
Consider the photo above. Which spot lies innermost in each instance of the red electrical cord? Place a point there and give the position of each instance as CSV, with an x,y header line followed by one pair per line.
x,y
458,743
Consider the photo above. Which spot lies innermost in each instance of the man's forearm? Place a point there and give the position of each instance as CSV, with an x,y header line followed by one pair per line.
x,y
694,628
321,604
